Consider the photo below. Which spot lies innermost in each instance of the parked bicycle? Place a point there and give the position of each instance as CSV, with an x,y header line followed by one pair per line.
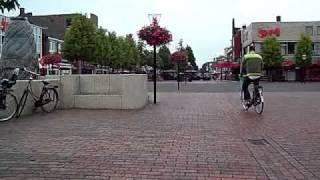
x,y
9,106
257,99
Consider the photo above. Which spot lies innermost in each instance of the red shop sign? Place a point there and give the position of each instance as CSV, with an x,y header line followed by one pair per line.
x,y
264,32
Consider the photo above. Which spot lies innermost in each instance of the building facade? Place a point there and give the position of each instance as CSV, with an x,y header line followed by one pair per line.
x,y
55,27
288,34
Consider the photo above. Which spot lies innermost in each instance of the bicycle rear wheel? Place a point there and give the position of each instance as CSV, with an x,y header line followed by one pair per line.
x,y
10,109
50,100
243,102
259,104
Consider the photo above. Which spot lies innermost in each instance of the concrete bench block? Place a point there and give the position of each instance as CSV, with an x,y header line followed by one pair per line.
x,y
98,101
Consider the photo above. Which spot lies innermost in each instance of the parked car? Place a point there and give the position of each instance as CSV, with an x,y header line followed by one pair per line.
x,y
196,76
206,76
169,75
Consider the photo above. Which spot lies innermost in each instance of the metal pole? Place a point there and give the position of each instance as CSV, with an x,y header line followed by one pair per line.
x,y
178,76
154,74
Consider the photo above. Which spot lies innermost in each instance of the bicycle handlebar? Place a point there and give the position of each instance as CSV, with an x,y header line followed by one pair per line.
x,y
30,72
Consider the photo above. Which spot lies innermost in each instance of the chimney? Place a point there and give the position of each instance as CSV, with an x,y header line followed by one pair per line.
x,y
278,18
22,12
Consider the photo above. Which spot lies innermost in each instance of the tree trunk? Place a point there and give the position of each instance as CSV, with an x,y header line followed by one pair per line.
x,y
79,66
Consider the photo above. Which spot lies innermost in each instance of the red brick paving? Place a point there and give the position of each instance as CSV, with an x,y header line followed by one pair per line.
x,y
186,136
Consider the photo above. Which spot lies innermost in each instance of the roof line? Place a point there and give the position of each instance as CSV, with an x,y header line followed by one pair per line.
x,y
53,15
288,22
59,14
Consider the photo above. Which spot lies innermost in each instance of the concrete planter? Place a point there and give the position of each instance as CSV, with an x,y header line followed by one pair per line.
x,y
110,91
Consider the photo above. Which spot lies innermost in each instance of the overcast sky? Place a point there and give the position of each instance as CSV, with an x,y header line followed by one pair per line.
x,y
203,24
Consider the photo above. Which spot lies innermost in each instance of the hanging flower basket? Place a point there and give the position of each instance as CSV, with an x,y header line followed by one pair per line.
x,y
51,59
178,56
155,35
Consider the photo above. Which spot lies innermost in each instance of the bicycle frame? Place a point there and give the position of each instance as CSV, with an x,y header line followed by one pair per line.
x,y
29,90
256,92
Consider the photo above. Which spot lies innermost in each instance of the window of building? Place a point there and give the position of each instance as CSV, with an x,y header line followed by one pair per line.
x,y
59,48
309,30
53,47
318,30
284,49
291,48
316,49
68,22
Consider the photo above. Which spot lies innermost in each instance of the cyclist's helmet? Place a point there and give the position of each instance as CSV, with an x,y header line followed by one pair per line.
x,y
252,48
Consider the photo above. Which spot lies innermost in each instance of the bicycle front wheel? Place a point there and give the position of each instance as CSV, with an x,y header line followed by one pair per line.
x,y
50,100
10,109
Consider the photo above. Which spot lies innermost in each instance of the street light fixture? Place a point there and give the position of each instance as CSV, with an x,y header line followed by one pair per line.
x,y
304,57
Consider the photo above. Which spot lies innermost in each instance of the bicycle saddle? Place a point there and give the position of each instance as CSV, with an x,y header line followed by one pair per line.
x,y
6,83
45,82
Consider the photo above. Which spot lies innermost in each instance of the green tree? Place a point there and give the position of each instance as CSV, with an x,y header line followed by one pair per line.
x,y
304,47
191,57
148,57
304,53
133,57
121,52
183,64
164,54
141,46
103,47
79,42
114,56
8,5
271,52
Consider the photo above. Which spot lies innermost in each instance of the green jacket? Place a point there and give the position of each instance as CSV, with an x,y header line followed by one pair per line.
x,y
252,65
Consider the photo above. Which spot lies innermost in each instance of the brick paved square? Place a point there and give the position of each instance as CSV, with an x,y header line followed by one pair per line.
x,y
185,136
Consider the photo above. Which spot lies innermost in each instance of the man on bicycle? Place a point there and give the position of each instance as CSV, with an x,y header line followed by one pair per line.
x,y
251,66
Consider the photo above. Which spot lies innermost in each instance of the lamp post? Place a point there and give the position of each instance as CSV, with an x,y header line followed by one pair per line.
x,y
155,36
189,75
178,57
151,18
304,58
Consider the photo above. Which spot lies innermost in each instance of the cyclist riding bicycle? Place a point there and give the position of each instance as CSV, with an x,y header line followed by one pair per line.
x,y
251,66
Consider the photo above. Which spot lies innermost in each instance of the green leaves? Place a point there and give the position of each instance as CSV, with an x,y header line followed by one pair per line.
x,y
191,57
80,40
271,52
304,51
8,5
164,54
83,41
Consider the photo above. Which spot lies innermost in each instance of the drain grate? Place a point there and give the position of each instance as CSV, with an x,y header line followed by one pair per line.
x,y
258,141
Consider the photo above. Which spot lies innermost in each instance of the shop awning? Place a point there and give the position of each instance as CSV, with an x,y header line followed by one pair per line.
x,y
227,64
